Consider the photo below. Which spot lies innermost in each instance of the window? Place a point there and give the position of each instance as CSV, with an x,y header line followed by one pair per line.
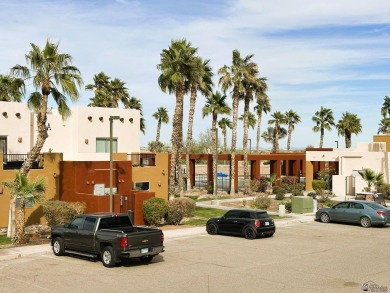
x,y
103,145
89,223
77,223
3,144
232,214
343,205
357,206
141,186
28,202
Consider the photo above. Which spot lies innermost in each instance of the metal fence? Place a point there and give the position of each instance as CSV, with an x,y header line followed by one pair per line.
x,y
15,161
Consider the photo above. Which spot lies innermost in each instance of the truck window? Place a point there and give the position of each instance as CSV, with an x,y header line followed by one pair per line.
x,y
77,223
114,222
89,223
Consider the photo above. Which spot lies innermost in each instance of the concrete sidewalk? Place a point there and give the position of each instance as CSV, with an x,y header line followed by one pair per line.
x,y
17,252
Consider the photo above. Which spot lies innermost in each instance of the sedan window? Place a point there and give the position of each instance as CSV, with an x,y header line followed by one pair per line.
x,y
342,205
355,205
375,206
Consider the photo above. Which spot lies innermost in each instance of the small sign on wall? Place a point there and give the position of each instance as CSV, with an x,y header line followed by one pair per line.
x,y
107,190
98,189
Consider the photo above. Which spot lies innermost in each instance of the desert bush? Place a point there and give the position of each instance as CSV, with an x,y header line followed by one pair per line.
x,y
384,189
289,180
280,193
296,190
261,202
61,212
176,211
325,197
188,205
259,184
154,210
312,194
318,184
287,204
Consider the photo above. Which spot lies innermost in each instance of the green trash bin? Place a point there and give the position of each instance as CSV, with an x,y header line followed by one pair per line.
x,y
301,204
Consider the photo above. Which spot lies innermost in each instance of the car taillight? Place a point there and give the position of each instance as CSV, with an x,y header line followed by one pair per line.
x,y
124,241
257,223
162,237
381,213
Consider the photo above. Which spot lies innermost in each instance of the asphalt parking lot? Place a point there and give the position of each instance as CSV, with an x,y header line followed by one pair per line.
x,y
301,257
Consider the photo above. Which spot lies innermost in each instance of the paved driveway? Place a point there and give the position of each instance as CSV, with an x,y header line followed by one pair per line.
x,y
302,257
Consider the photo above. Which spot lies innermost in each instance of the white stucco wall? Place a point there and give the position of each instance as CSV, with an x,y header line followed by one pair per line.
x,y
76,136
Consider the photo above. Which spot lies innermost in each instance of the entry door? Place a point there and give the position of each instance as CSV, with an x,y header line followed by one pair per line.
x,y
3,144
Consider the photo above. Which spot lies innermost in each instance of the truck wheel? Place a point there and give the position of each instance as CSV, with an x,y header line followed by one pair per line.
x,y
58,247
108,257
146,259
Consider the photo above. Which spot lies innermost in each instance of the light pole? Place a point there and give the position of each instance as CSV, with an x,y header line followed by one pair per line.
x,y
112,118
337,143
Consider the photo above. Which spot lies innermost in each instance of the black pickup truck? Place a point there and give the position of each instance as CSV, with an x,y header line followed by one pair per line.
x,y
109,236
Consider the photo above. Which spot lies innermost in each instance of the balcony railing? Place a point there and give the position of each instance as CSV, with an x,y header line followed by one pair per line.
x,y
15,161
142,160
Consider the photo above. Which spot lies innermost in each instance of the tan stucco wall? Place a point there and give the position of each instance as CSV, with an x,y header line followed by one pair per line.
x,y
156,175
51,172
382,138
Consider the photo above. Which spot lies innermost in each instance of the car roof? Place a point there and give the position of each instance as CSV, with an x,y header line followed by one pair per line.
x,y
249,210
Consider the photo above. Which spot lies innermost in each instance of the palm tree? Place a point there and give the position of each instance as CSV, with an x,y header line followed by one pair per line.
x,y
324,120
216,104
270,134
11,89
385,110
101,83
134,103
236,75
263,105
161,116
384,126
251,120
292,118
224,124
348,124
371,177
278,119
24,190
176,64
200,79
50,69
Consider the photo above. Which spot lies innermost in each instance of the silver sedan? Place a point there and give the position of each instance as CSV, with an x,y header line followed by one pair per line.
x,y
366,213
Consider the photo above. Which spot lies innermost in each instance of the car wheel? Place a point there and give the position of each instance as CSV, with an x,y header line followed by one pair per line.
x,y
324,217
58,247
108,258
249,233
212,228
146,259
365,222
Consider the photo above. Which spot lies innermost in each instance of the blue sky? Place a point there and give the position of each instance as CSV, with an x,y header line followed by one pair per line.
x,y
334,54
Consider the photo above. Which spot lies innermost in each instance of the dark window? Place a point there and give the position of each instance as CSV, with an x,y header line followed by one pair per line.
x,y
232,214
114,222
358,206
342,205
261,216
89,223
77,223
245,215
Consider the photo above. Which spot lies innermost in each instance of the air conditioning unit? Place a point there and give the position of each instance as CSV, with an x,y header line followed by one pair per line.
x,y
377,147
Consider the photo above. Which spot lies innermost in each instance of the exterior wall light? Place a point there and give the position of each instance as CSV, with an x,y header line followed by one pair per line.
x,y
131,120
5,114
17,115
101,118
90,118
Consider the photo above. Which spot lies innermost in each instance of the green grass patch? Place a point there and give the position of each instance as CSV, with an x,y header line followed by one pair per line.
x,y
4,240
201,215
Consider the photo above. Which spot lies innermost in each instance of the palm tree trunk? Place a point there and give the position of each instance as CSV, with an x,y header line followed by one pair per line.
x,y
258,132
20,235
189,135
289,138
245,146
322,137
11,217
215,155
158,131
234,141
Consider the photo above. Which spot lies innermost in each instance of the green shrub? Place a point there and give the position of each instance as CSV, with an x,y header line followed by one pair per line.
x,y
261,202
318,184
154,210
287,182
384,189
312,194
288,205
280,193
296,190
61,212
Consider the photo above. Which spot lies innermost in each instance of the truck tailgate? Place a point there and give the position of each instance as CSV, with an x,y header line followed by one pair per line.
x,y
146,238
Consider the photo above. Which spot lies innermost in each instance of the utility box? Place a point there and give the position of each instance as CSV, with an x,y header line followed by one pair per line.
x,y
301,204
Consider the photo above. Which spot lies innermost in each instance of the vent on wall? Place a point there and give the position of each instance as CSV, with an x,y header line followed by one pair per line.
x,y
377,147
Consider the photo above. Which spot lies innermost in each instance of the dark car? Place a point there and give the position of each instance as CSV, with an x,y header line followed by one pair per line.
x,y
365,213
247,222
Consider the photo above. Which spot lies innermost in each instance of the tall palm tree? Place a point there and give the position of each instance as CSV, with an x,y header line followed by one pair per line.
x,y
215,104
263,105
292,118
251,120
176,65
348,124
134,103
278,119
384,126
11,89
324,120
235,76
24,190
224,124
161,115
385,110
101,83
200,79
50,69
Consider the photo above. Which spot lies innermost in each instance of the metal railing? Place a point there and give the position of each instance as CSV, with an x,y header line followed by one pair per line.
x,y
15,161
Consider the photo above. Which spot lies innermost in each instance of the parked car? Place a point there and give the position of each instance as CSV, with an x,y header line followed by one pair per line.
x,y
366,213
247,222
109,236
